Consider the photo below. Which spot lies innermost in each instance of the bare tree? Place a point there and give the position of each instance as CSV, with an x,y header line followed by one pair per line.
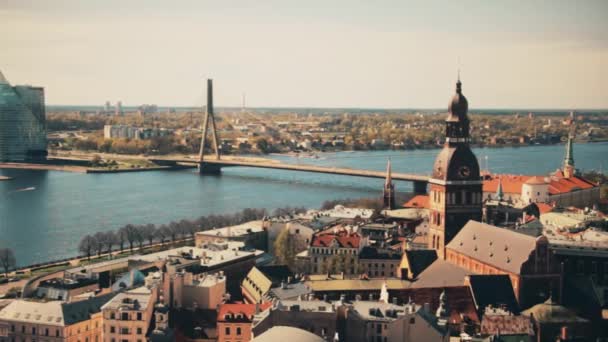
x,y
131,233
87,245
110,239
99,240
121,238
7,260
174,230
140,236
187,228
163,232
149,233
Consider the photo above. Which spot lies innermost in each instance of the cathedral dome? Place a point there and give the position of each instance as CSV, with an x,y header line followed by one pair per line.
x,y
458,106
456,163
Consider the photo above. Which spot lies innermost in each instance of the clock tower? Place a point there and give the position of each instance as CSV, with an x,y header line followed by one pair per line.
x,y
455,185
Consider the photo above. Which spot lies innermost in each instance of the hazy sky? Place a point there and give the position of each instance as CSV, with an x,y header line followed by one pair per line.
x,y
394,54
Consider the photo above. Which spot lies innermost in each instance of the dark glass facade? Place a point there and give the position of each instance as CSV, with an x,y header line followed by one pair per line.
x,y
22,122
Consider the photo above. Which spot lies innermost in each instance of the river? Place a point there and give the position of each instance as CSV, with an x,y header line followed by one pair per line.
x,y
43,214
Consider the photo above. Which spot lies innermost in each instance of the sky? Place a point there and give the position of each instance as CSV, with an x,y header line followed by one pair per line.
x,y
284,53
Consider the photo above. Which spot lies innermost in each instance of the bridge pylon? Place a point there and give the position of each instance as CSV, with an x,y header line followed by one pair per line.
x,y
209,116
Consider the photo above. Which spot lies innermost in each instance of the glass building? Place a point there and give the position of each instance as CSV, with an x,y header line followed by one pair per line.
x,y
22,122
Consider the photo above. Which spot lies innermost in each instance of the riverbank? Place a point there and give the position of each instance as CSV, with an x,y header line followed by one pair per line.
x,y
43,167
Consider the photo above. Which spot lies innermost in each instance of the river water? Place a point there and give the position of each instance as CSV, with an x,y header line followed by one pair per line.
x,y
43,214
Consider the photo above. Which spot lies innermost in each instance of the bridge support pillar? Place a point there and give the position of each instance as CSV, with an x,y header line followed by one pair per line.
x,y
420,187
209,169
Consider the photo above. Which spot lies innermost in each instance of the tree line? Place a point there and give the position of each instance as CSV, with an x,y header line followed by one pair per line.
x,y
131,235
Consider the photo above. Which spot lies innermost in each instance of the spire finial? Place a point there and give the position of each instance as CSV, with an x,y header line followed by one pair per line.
x,y
458,83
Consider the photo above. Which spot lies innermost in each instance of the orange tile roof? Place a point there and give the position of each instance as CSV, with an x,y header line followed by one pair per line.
x,y
544,207
418,201
511,184
344,239
247,310
560,185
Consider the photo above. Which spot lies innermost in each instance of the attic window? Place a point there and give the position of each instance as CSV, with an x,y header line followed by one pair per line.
x,y
490,243
506,248
508,259
475,249
461,243
491,254
474,237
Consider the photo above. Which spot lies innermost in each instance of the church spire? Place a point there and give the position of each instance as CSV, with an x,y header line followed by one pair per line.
x,y
389,177
569,168
388,192
499,192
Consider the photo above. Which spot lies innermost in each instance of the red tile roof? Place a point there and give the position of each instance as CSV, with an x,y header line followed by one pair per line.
x,y
544,208
560,185
247,310
511,184
418,201
342,237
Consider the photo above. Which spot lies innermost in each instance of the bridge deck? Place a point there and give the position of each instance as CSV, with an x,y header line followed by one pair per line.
x,y
310,168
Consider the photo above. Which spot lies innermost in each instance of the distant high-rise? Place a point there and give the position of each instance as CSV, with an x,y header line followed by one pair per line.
x,y
106,107
118,108
22,122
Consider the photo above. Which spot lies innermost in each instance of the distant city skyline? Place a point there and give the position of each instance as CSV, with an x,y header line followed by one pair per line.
x,y
340,54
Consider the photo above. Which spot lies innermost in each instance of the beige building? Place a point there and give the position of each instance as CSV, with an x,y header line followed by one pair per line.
x,y
127,317
190,291
30,321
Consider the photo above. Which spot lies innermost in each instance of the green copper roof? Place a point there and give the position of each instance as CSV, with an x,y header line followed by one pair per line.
x,y
569,158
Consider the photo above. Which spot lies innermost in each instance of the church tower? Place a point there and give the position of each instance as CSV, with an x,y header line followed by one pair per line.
x,y
455,184
388,193
569,169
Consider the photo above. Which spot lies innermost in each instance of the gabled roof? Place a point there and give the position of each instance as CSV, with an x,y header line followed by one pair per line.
x,y
504,249
379,253
247,310
494,290
559,184
441,273
276,273
419,259
418,201
82,310
257,284
342,238
511,184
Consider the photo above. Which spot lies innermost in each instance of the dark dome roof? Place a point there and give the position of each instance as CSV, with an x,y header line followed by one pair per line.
x,y
451,159
458,106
